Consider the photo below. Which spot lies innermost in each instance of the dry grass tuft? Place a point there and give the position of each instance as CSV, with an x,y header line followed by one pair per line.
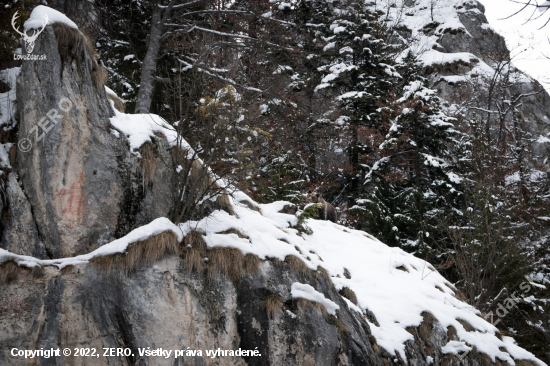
x,y
234,231
323,273
451,360
458,294
119,103
296,264
273,304
196,240
73,44
466,325
99,76
224,201
9,272
451,333
144,252
148,163
251,263
38,271
251,205
307,304
348,294
342,328
225,261
199,179
426,328
525,363
193,260
320,308
303,303
66,269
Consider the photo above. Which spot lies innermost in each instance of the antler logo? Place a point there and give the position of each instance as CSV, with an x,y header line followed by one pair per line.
x,y
29,40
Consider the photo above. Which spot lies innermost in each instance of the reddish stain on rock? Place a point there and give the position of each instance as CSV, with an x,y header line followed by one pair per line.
x,y
71,213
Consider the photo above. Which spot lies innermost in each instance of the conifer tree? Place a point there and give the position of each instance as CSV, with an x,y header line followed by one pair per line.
x,y
413,182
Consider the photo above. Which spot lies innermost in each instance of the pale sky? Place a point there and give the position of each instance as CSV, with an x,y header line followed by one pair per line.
x,y
528,42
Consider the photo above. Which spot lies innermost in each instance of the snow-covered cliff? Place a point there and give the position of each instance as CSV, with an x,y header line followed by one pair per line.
x,y
240,278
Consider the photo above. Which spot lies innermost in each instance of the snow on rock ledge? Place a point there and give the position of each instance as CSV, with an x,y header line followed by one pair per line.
x,y
42,14
353,259
155,227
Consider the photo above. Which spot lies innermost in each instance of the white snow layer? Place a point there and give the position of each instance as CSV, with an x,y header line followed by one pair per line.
x,y
155,227
140,128
397,297
428,21
42,14
304,291
455,347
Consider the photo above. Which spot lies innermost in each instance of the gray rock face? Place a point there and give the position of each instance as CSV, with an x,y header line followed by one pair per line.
x,y
488,46
84,185
20,235
78,187
168,306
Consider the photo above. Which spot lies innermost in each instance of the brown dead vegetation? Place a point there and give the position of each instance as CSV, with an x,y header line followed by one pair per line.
x,y
466,325
149,161
195,239
458,294
9,272
199,182
251,263
67,269
227,262
193,260
425,332
73,44
251,205
426,328
297,265
451,333
322,273
118,103
140,253
273,304
342,328
348,294
307,304
525,363
234,231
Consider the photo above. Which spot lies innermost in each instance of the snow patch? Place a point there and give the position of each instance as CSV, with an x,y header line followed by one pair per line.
x,y
155,227
396,298
455,347
42,14
305,291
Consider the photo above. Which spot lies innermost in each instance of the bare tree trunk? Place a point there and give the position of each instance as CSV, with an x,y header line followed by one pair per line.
x,y
149,65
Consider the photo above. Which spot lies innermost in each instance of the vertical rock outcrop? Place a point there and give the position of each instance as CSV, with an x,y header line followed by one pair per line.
x,y
83,184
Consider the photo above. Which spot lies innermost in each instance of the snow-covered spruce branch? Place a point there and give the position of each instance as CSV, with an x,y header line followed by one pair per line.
x,y
180,6
223,34
214,75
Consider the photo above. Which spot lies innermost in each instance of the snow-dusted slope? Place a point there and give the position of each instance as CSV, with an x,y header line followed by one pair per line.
x,y
445,33
397,297
392,284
